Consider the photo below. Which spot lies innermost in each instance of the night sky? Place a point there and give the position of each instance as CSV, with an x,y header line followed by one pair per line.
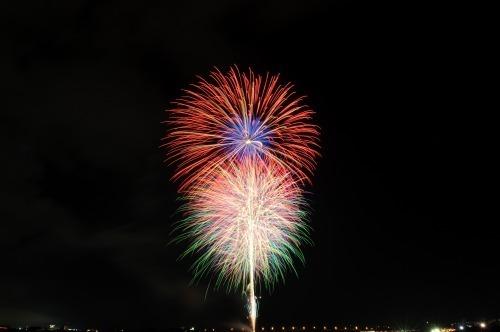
x,y
398,201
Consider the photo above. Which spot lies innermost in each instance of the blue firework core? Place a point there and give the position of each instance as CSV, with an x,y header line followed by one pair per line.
x,y
249,137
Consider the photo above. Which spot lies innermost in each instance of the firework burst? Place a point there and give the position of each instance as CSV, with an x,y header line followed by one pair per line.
x,y
246,206
244,145
238,115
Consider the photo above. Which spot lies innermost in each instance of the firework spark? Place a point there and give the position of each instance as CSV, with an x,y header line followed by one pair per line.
x,y
244,146
247,206
237,115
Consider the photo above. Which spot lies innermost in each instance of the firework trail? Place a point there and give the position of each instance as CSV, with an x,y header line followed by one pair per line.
x,y
244,146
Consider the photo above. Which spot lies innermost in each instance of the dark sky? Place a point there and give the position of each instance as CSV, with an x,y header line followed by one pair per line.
x,y
399,199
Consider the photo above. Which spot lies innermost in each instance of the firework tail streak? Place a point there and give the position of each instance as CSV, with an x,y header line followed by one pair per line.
x,y
243,146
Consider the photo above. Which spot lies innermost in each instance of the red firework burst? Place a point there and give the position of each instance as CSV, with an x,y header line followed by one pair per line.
x,y
238,115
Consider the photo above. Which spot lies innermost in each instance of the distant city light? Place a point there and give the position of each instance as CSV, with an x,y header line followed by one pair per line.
x,y
482,325
436,329
461,327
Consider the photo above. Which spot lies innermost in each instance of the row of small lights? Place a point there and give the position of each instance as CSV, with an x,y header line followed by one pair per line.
x,y
436,329
293,328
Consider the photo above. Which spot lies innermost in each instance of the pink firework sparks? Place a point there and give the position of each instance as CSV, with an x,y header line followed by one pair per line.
x,y
248,209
